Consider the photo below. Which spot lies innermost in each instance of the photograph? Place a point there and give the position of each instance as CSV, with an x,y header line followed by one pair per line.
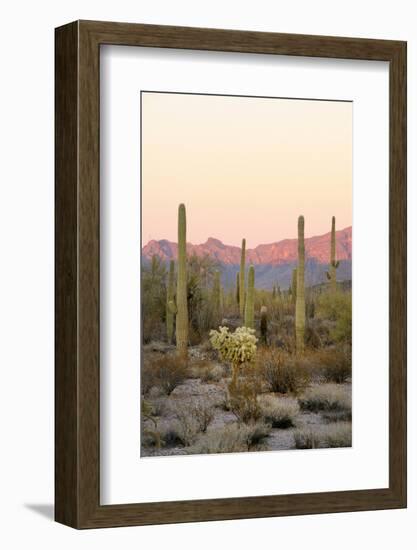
x,y
246,274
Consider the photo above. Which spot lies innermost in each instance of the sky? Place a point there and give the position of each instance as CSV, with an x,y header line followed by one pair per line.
x,y
244,167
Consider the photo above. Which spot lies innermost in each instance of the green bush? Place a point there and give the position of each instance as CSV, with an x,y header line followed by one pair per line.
x,y
337,307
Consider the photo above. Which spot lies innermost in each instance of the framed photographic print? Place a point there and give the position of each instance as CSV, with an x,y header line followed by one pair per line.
x,y
230,274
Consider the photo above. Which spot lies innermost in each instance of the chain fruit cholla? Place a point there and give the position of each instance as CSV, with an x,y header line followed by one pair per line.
x,y
237,348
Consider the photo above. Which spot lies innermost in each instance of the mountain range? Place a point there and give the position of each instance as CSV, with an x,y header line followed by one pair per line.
x,y
273,262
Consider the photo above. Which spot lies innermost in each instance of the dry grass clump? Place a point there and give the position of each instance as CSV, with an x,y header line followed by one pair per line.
x,y
281,372
278,412
326,397
165,372
333,435
233,438
206,370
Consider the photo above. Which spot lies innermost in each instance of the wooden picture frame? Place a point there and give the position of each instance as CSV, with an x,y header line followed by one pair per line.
x,y
77,373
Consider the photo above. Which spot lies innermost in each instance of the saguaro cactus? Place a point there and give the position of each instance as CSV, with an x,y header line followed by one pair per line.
x,y
250,299
170,306
294,285
237,288
300,313
217,296
264,324
182,309
331,274
242,279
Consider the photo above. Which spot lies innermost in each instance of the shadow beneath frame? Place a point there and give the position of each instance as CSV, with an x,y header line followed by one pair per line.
x,y
45,510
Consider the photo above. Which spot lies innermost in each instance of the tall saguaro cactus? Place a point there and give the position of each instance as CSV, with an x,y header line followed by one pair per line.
x,y
217,295
294,285
300,313
331,274
182,309
242,279
237,288
170,306
250,299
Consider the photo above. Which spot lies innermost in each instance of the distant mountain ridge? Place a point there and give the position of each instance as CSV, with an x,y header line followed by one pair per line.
x,y
281,252
274,262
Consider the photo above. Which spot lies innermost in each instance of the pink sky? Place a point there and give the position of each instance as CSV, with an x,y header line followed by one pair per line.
x,y
244,167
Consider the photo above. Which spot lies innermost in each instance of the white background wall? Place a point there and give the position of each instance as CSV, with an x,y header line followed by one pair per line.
x,y
27,260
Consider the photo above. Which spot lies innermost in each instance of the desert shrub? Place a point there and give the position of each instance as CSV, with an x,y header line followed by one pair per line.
x,y
192,416
185,427
326,397
203,411
171,437
337,416
212,373
150,435
206,371
333,435
281,372
243,398
312,337
335,364
233,438
166,372
159,406
337,307
278,412
153,299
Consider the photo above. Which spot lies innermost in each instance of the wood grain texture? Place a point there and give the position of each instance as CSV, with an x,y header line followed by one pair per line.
x,y
78,285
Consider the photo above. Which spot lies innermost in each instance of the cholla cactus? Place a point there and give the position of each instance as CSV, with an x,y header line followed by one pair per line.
x,y
237,348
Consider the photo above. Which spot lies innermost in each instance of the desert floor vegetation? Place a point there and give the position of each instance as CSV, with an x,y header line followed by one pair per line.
x,y
241,368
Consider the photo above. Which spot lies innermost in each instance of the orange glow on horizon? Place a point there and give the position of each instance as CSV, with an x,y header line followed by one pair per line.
x,y
244,167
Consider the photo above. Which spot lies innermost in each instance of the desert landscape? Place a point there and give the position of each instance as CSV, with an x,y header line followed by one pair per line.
x,y
246,350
